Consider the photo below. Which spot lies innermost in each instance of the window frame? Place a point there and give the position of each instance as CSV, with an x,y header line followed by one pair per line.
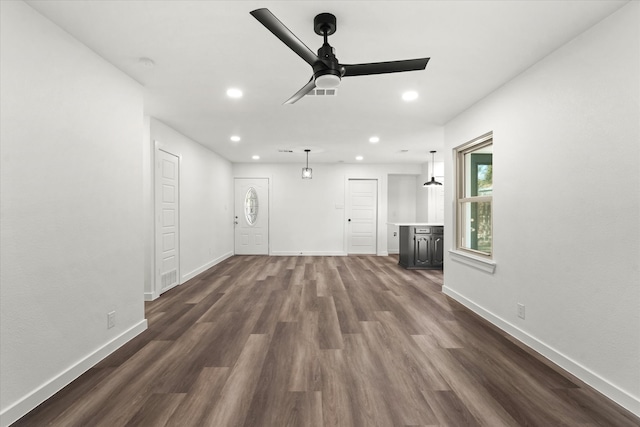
x,y
461,198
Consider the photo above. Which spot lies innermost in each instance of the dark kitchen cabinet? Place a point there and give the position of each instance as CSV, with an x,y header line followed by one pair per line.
x,y
421,247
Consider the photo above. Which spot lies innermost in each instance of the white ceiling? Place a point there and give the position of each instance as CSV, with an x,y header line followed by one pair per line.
x,y
201,48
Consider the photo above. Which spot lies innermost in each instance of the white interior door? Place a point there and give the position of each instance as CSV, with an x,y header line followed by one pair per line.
x,y
362,216
167,221
251,216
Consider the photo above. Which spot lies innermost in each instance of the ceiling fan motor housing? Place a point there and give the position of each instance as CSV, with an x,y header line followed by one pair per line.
x,y
324,22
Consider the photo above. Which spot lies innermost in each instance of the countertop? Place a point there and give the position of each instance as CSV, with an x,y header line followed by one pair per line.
x,y
416,224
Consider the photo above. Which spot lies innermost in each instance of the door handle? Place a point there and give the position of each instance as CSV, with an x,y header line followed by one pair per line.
x,y
349,220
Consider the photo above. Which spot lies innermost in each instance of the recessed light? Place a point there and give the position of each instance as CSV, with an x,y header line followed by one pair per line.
x,y
255,157
359,157
234,93
411,95
235,138
374,139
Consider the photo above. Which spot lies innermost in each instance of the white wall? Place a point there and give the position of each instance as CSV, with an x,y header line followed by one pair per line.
x,y
206,202
308,216
566,207
71,209
401,206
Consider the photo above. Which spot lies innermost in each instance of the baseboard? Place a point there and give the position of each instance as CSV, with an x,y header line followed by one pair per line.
x,y
609,390
48,389
190,275
307,253
149,296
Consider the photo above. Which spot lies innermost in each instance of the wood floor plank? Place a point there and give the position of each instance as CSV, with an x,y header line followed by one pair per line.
x,y
369,394
156,410
272,391
422,370
236,395
107,404
347,317
305,365
66,399
329,333
471,393
403,392
198,292
450,410
322,341
337,402
291,306
600,412
519,396
203,395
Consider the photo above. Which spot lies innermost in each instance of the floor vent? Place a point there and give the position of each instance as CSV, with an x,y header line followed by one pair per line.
x,y
323,92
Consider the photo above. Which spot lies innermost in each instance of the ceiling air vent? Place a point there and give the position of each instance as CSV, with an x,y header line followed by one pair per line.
x,y
324,92
285,151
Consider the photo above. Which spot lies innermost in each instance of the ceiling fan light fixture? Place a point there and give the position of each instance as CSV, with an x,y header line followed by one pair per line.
x,y
327,81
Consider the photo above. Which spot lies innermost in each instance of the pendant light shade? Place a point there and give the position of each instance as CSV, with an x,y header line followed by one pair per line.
x,y
307,172
433,179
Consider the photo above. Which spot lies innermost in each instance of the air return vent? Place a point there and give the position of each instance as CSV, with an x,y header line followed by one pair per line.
x,y
323,92
169,279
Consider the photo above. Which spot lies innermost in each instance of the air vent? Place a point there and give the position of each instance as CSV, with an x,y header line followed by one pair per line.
x,y
323,92
169,278
285,151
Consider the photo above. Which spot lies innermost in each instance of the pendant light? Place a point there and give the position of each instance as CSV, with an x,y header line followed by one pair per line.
x,y
433,179
306,172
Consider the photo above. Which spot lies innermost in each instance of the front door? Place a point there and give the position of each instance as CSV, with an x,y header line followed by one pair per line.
x,y
251,216
362,216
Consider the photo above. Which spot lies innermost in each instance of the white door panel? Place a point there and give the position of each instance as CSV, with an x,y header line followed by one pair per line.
x,y
362,212
251,208
167,211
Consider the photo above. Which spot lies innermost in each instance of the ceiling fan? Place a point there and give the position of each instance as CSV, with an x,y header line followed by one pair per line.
x,y
327,71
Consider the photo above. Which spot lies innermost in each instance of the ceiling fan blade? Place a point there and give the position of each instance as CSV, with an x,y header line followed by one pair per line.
x,y
274,25
385,67
302,92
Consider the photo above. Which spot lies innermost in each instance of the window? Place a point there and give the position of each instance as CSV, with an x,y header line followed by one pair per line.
x,y
251,206
474,196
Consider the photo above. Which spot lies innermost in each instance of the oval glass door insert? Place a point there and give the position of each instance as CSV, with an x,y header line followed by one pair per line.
x,y
251,206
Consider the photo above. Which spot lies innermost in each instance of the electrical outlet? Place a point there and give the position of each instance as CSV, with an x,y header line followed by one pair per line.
x,y
521,311
111,319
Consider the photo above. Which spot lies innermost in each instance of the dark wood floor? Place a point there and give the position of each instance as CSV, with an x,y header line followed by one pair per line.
x,y
321,341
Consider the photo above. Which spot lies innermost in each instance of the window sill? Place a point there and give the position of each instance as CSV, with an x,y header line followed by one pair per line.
x,y
486,265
